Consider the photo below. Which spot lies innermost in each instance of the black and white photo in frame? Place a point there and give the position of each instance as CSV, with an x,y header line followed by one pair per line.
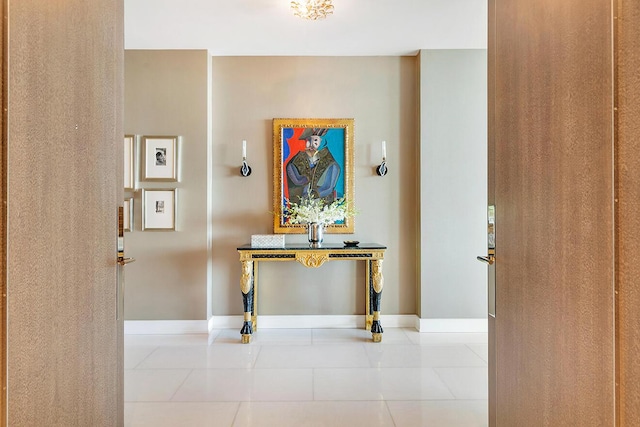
x,y
160,158
159,209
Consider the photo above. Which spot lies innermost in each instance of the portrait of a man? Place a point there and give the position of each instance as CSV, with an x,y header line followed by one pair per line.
x,y
313,158
313,171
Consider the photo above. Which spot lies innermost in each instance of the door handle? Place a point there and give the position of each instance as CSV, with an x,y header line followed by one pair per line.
x,y
489,259
125,261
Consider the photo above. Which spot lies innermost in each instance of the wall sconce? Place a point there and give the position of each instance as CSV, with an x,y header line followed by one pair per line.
x,y
245,169
382,169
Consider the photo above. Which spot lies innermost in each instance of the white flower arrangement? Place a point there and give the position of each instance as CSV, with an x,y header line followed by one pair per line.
x,y
311,210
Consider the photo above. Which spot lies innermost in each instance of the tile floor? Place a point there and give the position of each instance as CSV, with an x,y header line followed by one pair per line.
x,y
306,377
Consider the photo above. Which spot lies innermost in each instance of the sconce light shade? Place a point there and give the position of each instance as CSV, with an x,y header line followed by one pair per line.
x,y
382,169
245,169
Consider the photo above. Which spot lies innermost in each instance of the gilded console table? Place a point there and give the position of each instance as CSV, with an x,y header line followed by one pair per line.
x,y
371,253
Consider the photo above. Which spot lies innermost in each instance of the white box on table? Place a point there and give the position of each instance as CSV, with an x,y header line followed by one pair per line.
x,y
267,240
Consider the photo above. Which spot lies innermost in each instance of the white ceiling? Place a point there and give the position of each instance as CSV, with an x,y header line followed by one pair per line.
x,y
267,27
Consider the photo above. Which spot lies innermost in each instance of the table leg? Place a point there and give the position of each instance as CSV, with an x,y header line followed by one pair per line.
x,y
376,294
368,317
246,286
254,292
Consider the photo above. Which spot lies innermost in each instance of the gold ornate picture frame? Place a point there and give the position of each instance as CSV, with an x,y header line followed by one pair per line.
x,y
312,156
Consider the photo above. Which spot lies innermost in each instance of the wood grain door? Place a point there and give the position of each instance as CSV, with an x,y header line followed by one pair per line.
x,y
628,210
551,180
62,152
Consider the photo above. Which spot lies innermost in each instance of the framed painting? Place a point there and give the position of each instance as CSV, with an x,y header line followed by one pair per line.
x,y
312,158
159,209
129,162
128,214
160,158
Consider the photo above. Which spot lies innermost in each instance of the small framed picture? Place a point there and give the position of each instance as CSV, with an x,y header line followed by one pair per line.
x,y
128,214
159,209
129,162
160,158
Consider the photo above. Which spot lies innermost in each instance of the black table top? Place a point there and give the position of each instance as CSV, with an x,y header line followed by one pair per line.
x,y
307,246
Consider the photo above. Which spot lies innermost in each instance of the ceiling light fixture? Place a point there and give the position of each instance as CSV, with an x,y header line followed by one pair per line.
x,y
312,9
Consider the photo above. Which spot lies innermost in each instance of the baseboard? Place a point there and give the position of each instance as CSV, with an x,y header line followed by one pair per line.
x,y
452,325
309,322
169,327
225,322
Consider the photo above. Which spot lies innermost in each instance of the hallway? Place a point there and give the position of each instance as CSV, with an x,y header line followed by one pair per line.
x,y
306,377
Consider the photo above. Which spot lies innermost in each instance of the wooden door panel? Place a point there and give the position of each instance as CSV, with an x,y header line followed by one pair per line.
x,y
553,142
628,214
64,151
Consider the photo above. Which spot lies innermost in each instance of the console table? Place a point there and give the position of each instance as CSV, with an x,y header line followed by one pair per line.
x,y
313,257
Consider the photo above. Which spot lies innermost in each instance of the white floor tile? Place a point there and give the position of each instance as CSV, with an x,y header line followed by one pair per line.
x,y
267,337
152,385
415,356
134,354
447,413
315,356
306,377
167,340
481,350
357,336
313,414
243,385
446,338
379,384
202,357
183,414
466,383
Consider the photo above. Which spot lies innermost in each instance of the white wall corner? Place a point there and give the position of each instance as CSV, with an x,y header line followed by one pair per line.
x,y
225,322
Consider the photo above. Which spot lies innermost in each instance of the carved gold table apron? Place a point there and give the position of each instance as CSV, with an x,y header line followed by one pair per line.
x,y
371,253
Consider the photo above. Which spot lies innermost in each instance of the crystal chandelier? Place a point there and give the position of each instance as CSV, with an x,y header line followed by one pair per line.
x,y
312,9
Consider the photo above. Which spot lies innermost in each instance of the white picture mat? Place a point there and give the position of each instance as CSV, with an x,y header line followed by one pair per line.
x,y
129,176
167,171
159,207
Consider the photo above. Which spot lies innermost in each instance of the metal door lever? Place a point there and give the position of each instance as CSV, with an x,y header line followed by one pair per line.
x,y
125,261
489,259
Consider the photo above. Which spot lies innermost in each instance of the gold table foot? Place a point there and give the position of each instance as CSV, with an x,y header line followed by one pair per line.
x,y
377,337
246,338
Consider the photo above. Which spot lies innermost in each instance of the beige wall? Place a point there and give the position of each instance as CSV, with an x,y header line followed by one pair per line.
x,y
166,94
380,93
453,117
